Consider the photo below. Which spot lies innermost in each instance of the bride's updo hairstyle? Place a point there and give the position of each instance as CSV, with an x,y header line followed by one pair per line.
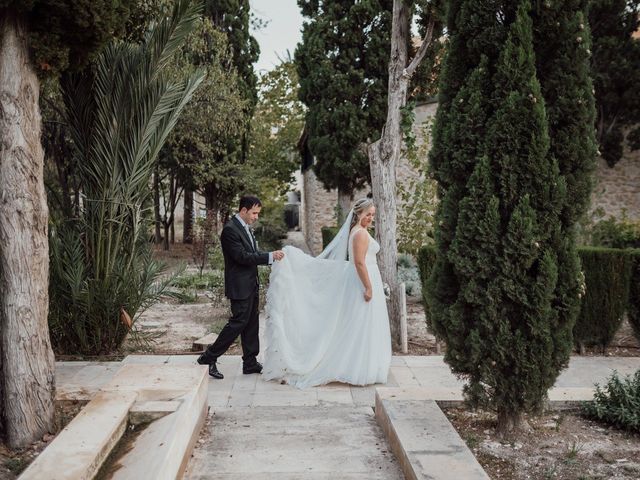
x,y
359,207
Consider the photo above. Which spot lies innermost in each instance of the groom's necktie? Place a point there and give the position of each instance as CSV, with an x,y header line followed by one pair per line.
x,y
251,237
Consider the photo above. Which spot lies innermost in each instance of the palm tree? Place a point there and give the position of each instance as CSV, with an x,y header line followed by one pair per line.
x,y
120,112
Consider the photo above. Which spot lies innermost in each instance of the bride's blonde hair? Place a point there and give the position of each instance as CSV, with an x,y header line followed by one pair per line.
x,y
358,208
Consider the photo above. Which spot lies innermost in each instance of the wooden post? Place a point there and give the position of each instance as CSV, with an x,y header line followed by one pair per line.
x,y
404,340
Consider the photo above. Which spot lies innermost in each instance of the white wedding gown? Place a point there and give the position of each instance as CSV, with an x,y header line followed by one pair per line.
x,y
319,328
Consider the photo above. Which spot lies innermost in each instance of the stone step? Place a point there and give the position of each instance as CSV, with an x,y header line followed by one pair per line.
x,y
424,441
172,397
201,344
82,446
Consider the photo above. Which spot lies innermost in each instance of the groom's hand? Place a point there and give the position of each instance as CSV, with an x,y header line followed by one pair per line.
x,y
278,255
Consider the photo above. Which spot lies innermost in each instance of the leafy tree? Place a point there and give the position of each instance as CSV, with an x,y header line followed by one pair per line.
x,y
198,149
342,64
275,130
232,17
46,37
273,154
616,74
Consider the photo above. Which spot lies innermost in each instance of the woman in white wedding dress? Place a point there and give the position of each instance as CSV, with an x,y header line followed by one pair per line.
x,y
327,316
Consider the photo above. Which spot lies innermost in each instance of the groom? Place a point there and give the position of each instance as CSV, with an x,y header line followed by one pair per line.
x,y
241,260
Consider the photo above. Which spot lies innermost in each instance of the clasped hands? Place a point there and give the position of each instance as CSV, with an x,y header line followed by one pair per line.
x,y
278,255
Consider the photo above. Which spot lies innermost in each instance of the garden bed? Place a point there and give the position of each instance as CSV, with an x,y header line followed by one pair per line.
x,y
560,445
13,462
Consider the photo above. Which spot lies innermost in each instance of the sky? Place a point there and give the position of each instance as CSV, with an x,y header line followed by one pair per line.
x,y
281,34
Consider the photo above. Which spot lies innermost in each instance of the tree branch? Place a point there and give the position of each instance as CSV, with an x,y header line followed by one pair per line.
x,y
426,42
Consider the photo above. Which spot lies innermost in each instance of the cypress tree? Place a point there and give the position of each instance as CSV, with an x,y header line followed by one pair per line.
x,y
615,69
562,41
475,34
513,178
342,63
233,18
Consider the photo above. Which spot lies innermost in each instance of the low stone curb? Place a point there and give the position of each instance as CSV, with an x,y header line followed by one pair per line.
x,y
172,397
424,441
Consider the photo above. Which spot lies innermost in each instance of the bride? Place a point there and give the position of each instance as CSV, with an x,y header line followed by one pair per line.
x,y
327,316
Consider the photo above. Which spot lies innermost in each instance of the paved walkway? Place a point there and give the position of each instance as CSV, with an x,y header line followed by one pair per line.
x,y
264,430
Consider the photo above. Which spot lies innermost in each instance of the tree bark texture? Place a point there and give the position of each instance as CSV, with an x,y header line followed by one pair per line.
x,y
26,359
187,227
385,152
344,205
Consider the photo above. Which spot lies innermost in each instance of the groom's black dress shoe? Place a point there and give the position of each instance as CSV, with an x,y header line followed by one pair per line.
x,y
255,368
213,369
214,372
201,360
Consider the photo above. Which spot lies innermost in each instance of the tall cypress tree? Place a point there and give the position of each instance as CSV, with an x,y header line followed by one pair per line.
x,y
615,69
562,41
476,32
233,17
342,64
504,290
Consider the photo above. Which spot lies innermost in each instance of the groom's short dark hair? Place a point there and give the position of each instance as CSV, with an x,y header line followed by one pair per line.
x,y
249,201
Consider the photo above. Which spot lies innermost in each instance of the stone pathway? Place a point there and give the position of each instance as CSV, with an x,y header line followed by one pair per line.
x,y
264,430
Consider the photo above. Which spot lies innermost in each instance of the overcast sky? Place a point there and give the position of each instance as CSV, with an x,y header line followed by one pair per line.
x,y
281,34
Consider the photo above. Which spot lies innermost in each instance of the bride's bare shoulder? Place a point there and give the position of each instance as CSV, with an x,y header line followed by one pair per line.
x,y
360,235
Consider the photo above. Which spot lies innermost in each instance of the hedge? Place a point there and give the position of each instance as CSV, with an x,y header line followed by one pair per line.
x,y
426,260
612,285
633,310
327,235
607,274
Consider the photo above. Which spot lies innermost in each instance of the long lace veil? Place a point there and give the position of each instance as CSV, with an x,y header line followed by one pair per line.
x,y
338,248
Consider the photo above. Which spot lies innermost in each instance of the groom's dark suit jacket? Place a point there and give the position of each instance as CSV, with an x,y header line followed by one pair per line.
x,y
241,261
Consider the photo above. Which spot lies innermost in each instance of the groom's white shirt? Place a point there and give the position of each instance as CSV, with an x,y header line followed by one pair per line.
x,y
246,228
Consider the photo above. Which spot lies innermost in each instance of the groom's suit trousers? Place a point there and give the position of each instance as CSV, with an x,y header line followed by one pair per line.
x,y
243,322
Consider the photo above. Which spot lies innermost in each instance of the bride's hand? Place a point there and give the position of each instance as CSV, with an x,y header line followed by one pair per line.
x,y
368,294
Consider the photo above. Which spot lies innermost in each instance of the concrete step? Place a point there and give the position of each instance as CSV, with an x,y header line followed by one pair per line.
x,y
172,397
201,344
293,442
82,446
424,441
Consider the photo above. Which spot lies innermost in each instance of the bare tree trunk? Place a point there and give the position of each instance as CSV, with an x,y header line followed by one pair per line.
x,y
165,240
344,205
156,205
384,154
27,381
187,227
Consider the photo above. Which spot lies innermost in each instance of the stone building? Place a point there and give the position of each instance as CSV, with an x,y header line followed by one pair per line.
x,y
616,190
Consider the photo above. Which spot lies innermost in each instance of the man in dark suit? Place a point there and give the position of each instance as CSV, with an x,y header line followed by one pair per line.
x,y
241,260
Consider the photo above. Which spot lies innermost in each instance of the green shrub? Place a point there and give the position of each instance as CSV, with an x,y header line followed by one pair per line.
x,y
617,403
328,233
616,233
409,274
426,261
201,282
633,307
606,276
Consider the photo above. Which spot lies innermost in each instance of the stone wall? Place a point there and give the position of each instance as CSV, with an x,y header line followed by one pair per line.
x,y
317,210
617,189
